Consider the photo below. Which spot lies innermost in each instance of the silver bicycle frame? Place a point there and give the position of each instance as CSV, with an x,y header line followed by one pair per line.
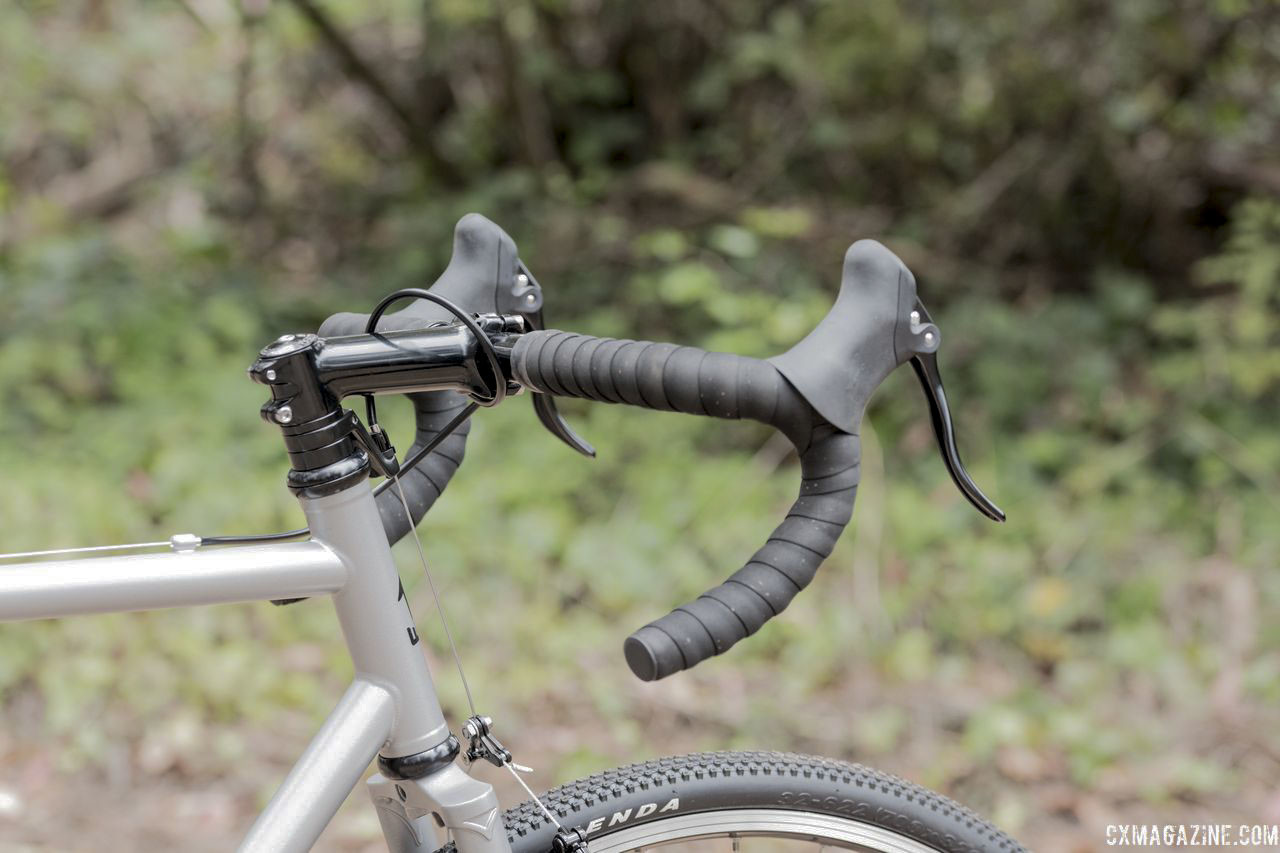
x,y
390,708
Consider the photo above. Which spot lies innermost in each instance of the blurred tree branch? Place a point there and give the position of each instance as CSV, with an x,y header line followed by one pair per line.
x,y
528,102
361,71
248,138
106,186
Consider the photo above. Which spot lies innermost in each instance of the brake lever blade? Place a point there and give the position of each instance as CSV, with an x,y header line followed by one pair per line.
x,y
528,294
926,368
545,408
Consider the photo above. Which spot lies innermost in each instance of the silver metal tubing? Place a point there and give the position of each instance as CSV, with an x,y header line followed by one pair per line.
x,y
467,806
152,581
332,765
403,834
375,618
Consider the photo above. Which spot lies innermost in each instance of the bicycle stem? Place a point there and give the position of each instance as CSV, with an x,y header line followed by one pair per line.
x,y
309,376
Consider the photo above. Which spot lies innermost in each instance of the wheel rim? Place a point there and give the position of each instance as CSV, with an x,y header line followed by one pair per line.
x,y
734,824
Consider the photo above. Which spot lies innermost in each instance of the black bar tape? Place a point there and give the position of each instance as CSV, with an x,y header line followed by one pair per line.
x,y
423,483
686,379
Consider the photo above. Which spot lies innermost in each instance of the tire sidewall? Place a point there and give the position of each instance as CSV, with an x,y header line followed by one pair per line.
x,y
654,791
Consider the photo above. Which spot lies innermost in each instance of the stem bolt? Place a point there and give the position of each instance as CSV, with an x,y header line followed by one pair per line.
x,y
284,415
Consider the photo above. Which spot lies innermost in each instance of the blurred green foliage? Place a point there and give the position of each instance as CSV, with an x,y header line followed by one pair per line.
x,y
1087,192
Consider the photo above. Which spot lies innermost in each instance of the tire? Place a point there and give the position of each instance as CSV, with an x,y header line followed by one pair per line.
x,y
749,794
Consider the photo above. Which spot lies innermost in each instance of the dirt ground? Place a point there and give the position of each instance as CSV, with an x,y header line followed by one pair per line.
x,y
160,797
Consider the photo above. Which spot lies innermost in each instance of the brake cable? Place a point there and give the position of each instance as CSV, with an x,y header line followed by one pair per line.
x,y
499,392
499,754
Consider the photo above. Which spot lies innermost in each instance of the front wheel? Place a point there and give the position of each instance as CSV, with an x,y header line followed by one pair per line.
x,y
762,801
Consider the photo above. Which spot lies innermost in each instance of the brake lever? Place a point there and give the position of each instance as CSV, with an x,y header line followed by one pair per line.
x,y
528,295
925,365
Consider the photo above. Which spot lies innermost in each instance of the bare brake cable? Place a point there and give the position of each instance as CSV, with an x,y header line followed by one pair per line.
x,y
444,620
505,759
135,546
